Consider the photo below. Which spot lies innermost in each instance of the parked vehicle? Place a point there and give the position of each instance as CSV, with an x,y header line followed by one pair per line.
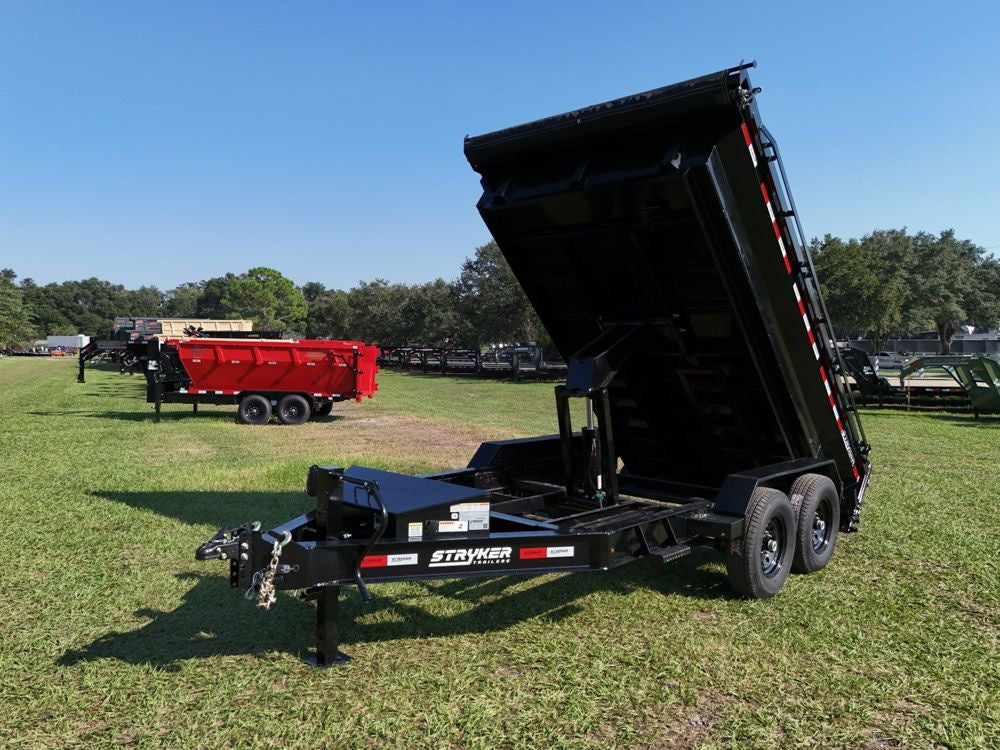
x,y
654,236
290,379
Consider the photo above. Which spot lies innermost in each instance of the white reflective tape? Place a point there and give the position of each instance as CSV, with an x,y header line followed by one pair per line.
x,y
753,156
816,352
826,384
836,413
805,322
781,244
795,288
770,211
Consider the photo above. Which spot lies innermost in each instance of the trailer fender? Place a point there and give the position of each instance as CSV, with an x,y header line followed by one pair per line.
x,y
737,490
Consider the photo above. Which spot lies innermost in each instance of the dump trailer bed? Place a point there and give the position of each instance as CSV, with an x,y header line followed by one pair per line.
x,y
652,234
657,227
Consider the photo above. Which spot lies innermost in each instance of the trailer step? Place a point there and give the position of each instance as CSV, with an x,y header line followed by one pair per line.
x,y
669,554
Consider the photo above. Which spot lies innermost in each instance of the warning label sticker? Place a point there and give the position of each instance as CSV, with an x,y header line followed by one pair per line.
x,y
414,530
476,515
450,527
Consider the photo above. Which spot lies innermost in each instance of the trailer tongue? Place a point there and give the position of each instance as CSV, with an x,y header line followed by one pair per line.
x,y
653,236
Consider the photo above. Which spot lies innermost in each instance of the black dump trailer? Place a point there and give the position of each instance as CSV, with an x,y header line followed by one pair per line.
x,y
658,241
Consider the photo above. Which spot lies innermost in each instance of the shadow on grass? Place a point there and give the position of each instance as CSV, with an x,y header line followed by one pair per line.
x,y
991,421
214,620
469,378
216,509
168,414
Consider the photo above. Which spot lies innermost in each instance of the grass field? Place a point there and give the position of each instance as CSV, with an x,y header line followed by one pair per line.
x,y
111,634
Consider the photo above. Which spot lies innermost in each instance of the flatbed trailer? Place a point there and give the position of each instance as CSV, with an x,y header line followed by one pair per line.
x,y
654,236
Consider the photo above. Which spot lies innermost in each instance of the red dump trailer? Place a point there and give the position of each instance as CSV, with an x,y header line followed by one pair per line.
x,y
290,379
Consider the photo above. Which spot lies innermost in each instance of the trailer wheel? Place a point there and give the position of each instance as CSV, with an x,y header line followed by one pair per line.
x,y
817,512
255,409
759,563
323,410
293,409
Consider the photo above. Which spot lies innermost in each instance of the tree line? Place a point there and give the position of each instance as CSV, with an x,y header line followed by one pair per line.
x,y
889,283
893,284
483,305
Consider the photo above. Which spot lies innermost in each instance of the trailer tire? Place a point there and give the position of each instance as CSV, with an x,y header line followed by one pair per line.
x,y
254,409
817,513
323,410
759,563
293,409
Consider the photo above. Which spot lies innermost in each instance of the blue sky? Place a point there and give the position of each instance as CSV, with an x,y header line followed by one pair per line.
x,y
163,142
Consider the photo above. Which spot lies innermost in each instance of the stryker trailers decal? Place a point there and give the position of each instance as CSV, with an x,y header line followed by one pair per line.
x,y
443,558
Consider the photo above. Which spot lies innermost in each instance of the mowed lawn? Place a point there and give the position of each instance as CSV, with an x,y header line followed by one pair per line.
x,y
111,633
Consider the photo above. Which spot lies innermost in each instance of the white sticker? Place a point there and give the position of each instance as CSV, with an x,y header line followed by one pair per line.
x,y
476,515
447,527
415,530
402,559
471,508
559,552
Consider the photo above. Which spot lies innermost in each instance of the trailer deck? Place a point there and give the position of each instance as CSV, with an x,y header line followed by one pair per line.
x,y
657,240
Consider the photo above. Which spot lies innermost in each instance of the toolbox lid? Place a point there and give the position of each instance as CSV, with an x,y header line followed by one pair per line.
x,y
404,494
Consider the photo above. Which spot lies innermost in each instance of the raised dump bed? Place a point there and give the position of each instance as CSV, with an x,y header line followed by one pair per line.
x,y
654,235
292,379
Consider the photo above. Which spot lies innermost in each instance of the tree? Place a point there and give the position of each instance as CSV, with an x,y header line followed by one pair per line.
x,y
862,295
145,302
432,317
376,313
329,315
15,326
182,300
210,304
269,298
942,279
984,308
490,299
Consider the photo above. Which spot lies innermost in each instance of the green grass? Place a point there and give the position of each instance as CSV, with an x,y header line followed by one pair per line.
x,y
111,634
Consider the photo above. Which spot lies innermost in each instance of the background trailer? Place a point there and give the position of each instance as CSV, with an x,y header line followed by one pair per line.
x,y
654,236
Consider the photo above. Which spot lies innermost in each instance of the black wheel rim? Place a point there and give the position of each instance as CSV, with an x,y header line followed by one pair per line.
x,y
822,526
254,412
293,411
772,548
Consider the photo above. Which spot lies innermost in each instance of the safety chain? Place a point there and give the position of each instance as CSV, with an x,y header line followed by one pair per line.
x,y
263,580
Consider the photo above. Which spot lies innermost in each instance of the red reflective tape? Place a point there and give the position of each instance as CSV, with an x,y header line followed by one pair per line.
x,y
777,232
802,307
812,339
830,399
788,265
746,133
763,191
375,561
532,553
856,474
840,425
822,372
